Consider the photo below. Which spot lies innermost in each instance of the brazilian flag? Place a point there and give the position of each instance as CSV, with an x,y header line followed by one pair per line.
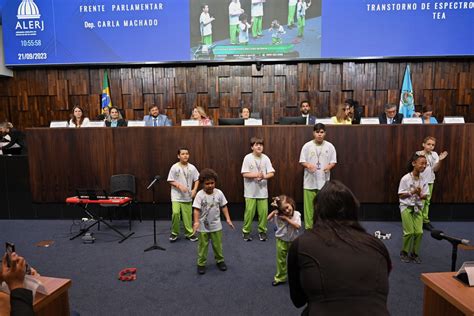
x,y
106,101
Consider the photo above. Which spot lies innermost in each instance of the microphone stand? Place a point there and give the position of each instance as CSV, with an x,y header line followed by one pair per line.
x,y
454,255
155,245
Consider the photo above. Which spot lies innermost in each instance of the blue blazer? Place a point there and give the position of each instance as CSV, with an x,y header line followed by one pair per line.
x,y
162,120
311,120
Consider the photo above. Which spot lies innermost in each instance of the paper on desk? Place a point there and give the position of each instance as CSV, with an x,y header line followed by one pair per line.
x,y
468,268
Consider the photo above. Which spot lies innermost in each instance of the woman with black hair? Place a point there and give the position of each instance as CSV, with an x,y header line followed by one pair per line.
x,y
337,268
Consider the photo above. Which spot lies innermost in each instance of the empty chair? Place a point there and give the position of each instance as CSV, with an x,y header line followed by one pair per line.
x,y
124,185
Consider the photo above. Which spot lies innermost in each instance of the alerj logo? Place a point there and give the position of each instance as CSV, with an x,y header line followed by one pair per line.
x,y
29,21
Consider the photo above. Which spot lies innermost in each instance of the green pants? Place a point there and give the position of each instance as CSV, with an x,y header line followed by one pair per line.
x,y
308,207
426,205
257,26
301,24
207,39
234,33
184,210
203,246
281,254
412,223
261,205
291,14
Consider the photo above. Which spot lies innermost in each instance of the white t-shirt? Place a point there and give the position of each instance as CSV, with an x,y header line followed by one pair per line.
x,y
85,123
407,184
244,32
301,9
285,231
292,2
206,26
320,156
186,175
209,206
235,11
257,8
252,187
431,160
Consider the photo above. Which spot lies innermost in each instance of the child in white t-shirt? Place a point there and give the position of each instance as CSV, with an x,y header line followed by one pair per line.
x,y
433,163
208,204
287,223
183,178
256,170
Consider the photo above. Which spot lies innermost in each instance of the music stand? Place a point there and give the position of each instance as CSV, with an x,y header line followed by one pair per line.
x,y
90,195
155,245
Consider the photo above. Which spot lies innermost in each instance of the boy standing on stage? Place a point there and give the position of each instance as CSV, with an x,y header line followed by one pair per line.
x,y
318,157
207,219
183,178
256,170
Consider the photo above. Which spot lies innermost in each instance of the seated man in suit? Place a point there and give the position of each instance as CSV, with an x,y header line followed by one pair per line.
x,y
390,115
304,109
156,119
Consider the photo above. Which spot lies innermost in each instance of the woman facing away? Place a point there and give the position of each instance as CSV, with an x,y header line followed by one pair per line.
x,y
337,268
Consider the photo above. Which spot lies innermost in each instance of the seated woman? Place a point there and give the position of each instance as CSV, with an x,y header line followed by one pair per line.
x,y
355,111
342,115
427,115
77,118
115,119
337,268
245,113
200,115
12,141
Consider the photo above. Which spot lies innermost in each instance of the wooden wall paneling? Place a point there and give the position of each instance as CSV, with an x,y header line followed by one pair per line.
x,y
5,84
258,96
224,84
61,98
280,101
291,88
393,96
235,92
147,76
256,72
381,98
4,109
321,106
213,89
267,109
368,100
182,111
191,101
191,78
388,76
224,71
348,76
78,80
170,72
247,101
170,93
137,94
246,84
52,79
268,83
224,101
126,101
302,70
444,100
201,82
426,98
149,99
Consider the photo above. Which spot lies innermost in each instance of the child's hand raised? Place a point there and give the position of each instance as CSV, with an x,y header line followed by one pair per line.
x,y
443,155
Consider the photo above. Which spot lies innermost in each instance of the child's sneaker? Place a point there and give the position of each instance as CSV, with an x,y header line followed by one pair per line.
x,y
173,238
192,238
415,258
262,236
201,269
404,257
247,237
222,266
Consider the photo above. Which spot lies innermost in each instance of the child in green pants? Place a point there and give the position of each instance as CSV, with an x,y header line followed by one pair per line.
x,y
287,223
413,189
207,205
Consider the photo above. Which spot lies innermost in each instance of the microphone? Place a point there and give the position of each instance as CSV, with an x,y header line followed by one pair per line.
x,y
439,235
156,178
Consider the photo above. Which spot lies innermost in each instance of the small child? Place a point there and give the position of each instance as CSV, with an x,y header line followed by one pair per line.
x,y
256,170
183,178
433,164
207,206
301,8
287,221
244,27
318,157
277,31
413,189
205,25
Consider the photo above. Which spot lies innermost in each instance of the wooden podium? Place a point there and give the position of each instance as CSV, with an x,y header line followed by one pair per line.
x,y
444,295
56,303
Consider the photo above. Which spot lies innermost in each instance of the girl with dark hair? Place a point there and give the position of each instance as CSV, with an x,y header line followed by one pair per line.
x,y
337,268
77,118
412,191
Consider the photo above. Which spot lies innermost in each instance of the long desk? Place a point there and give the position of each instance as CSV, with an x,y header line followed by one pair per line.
x,y
371,159
444,295
57,302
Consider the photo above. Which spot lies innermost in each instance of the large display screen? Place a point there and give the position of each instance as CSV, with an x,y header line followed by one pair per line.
x,y
41,32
